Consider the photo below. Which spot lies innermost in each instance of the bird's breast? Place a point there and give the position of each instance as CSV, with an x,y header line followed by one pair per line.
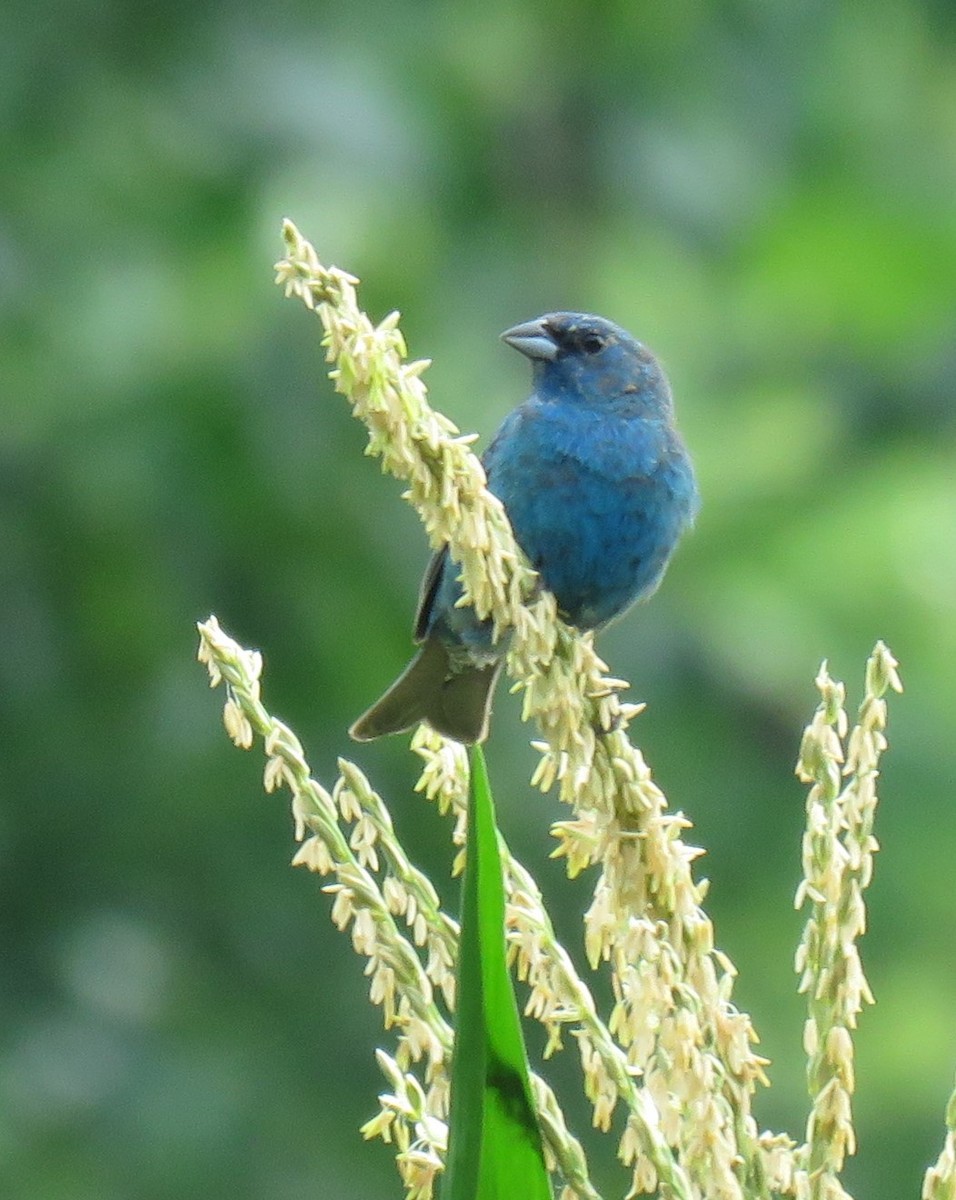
x,y
597,505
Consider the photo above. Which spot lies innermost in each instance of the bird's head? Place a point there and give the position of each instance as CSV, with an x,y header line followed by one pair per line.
x,y
578,356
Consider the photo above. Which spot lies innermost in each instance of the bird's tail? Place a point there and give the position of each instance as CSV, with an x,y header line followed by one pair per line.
x,y
454,699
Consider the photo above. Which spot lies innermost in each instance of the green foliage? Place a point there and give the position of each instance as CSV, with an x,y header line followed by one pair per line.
x,y
494,1147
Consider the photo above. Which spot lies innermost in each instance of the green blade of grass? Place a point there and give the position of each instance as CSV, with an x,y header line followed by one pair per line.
x,y
494,1146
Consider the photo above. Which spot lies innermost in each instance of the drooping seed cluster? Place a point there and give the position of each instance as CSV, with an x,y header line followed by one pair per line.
x,y
392,913
676,1054
939,1182
674,1017
838,849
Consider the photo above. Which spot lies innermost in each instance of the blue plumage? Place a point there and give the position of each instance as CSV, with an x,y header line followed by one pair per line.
x,y
598,487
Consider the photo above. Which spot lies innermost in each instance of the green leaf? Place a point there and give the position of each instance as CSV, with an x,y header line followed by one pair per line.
x,y
494,1145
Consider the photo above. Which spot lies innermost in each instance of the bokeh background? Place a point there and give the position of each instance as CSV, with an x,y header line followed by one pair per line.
x,y
764,193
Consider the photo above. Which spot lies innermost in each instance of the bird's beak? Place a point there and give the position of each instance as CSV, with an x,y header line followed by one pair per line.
x,y
532,339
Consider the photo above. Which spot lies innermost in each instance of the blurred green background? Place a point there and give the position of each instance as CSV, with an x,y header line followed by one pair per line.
x,y
764,193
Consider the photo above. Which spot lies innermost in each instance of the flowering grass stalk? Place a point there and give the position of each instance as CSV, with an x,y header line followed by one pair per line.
x,y
939,1182
838,849
675,1052
346,833
674,1017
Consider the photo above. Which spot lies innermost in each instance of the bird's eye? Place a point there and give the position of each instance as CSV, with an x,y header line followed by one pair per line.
x,y
592,344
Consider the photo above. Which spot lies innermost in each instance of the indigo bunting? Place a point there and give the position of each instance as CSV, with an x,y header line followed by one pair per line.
x,y
598,487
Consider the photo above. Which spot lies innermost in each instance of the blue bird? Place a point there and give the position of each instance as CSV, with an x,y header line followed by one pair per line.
x,y
598,487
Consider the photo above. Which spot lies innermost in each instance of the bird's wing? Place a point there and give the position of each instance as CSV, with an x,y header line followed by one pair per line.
x,y
432,578
426,596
